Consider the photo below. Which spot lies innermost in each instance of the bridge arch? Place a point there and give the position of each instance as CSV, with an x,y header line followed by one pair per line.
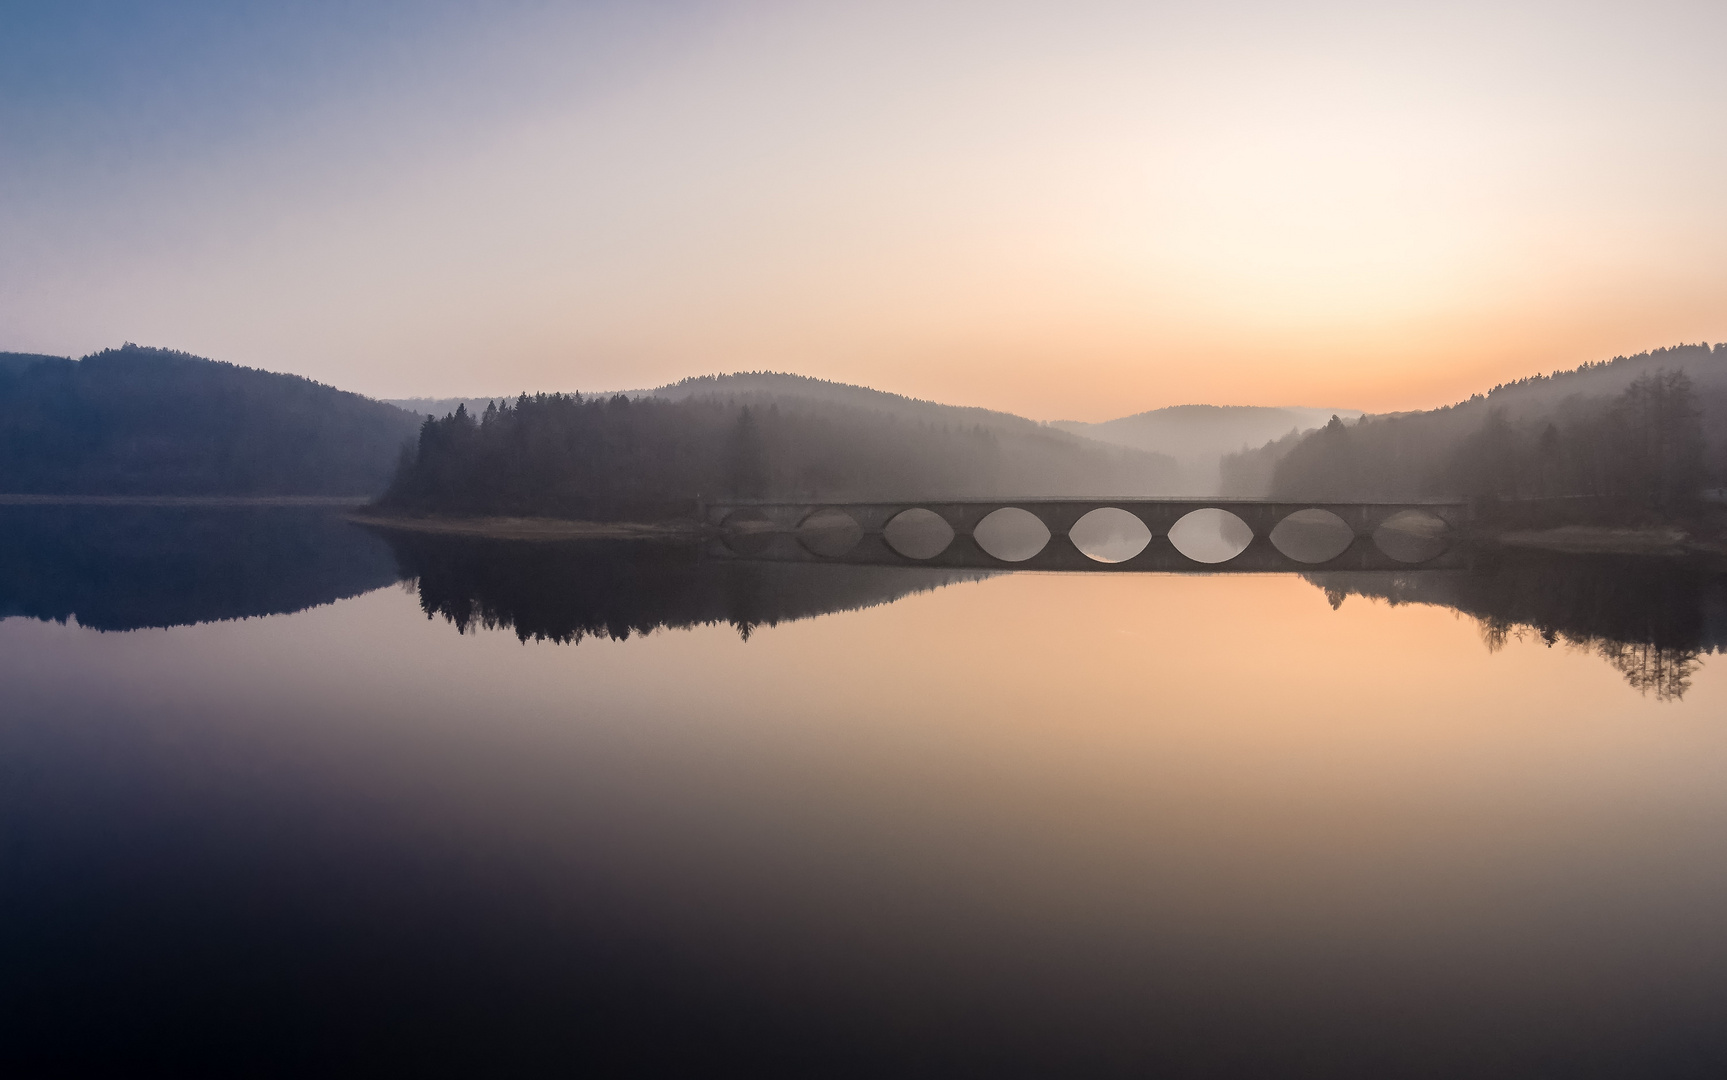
x,y
946,533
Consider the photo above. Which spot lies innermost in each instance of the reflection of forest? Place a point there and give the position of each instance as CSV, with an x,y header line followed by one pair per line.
x,y
121,568
1652,619
124,568
567,591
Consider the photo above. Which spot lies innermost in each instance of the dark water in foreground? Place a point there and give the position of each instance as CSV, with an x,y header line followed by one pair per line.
x,y
279,797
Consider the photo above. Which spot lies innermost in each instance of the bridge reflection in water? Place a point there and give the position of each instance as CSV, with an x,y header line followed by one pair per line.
x,y
1231,535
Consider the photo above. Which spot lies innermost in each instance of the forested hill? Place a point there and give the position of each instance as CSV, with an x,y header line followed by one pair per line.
x,y
764,388
1651,426
767,387
140,421
1037,451
556,454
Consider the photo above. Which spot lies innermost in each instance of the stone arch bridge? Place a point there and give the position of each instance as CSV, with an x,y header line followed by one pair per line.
x,y
1102,534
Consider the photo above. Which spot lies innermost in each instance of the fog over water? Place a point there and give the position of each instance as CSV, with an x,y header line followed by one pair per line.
x,y
651,810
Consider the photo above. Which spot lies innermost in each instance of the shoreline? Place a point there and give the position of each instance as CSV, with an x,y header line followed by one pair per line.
x,y
534,528
1666,541
1655,541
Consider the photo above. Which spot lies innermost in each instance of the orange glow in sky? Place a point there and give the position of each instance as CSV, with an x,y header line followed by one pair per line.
x,y
1074,211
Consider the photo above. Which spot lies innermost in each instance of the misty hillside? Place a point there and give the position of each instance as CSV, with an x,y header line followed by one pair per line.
x,y
1652,425
767,386
1199,436
1705,366
1042,459
1194,438
563,455
749,385
746,385
140,421
1195,431
1036,457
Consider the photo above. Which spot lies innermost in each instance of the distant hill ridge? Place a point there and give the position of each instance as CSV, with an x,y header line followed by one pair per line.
x,y
1704,364
762,384
14,362
773,383
1204,430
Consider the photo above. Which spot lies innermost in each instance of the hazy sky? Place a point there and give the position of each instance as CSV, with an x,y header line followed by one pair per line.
x,y
1067,210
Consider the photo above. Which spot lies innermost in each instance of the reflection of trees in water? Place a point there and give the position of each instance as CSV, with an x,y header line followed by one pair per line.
x,y
1650,667
129,567
1651,619
564,592
1666,670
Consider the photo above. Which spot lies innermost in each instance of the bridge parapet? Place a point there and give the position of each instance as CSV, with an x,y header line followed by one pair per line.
x,y
1367,535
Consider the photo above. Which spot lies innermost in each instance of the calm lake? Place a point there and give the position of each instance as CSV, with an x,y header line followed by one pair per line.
x,y
280,795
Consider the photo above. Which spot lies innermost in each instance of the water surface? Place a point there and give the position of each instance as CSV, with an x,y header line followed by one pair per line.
x,y
498,808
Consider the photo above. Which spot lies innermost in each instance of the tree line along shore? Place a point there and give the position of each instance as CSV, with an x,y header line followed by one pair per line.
x,y
1628,448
